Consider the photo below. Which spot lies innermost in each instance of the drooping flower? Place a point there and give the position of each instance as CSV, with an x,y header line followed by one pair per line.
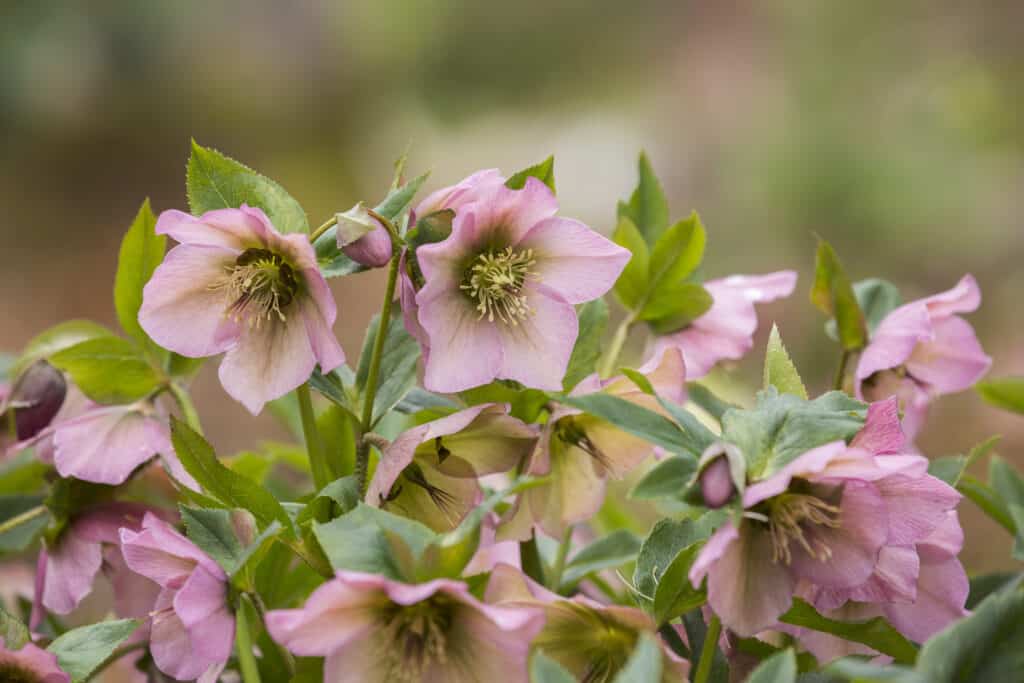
x,y
824,520
499,293
235,285
375,630
592,641
580,452
922,350
30,664
429,473
362,238
192,629
67,568
726,330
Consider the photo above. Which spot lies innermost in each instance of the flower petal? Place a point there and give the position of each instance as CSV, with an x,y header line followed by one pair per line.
x,y
105,445
536,351
465,350
201,604
952,361
894,340
942,589
881,432
72,566
917,506
319,312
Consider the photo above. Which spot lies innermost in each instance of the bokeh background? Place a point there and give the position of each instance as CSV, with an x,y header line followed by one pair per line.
x,y
892,129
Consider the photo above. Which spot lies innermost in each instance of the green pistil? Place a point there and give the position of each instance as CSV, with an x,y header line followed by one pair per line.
x,y
494,282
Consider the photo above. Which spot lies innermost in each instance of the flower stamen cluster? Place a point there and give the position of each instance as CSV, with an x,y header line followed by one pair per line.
x,y
788,517
417,637
259,285
495,281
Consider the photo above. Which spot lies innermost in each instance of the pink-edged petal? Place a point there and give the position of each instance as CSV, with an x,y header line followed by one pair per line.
x,y
104,446
882,432
573,260
181,310
442,263
493,442
508,215
318,312
488,644
162,554
71,569
233,228
574,495
201,604
492,552
946,541
466,351
410,309
536,351
952,361
917,506
172,649
134,594
454,196
942,590
665,370
810,463
622,452
895,577
712,552
963,297
894,340
507,584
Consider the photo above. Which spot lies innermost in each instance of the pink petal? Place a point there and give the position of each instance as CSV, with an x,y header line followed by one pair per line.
x,y
814,461
442,263
946,541
942,590
319,312
233,228
162,554
573,260
410,310
466,351
964,297
916,505
488,644
952,361
201,604
895,577
881,432
32,662
71,568
372,250
455,196
105,445
508,584
511,214
181,311
894,340
134,594
172,649
536,351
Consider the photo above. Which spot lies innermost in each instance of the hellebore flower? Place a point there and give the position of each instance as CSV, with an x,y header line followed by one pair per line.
x,y
499,293
726,330
362,238
30,664
91,542
192,628
429,473
372,629
235,285
590,640
580,451
922,350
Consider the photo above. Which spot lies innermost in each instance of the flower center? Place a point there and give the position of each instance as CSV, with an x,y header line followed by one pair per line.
x,y
415,636
494,282
573,434
258,286
12,672
789,515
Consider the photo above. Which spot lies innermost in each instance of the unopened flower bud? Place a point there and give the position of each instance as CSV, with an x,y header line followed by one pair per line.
x,y
716,483
35,398
362,238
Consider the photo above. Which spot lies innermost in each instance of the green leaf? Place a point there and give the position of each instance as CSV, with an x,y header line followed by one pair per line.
x,y
877,298
13,633
343,492
23,473
108,370
614,550
368,538
544,172
876,633
833,294
647,206
593,318
673,306
59,337
860,671
645,664
215,181
420,399
696,630
81,650
987,584
1006,393
677,253
1006,481
706,399
142,250
986,646
779,371
675,594
398,199
332,261
668,479
779,668
22,535
636,420
665,557
397,366
986,498
234,490
631,287
213,531
430,229
543,669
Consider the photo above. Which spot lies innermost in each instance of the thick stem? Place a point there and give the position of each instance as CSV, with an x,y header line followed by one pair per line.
x,y
563,554
840,378
611,355
323,228
188,408
243,645
23,518
314,445
707,652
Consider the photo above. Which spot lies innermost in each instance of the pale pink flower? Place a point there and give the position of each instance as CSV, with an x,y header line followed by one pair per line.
x,y
375,630
192,628
922,350
429,473
579,452
31,664
499,293
362,238
726,330
592,641
235,285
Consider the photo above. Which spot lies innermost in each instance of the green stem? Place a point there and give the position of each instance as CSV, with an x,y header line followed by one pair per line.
x,y
611,356
707,652
23,518
840,378
563,554
243,645
314,445
323,228
373,374
188,408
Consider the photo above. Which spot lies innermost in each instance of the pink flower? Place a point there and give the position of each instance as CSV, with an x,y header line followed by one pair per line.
x,y
590,640
362,238
235,285
580,452
429,473
192,628
923,349
90,543
726,330
35,398
30,664
374,630
499,293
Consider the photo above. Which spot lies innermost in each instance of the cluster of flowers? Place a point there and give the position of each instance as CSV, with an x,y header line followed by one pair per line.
x,y
489,287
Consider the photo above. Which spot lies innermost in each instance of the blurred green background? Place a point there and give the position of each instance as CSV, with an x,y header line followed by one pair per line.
x,y
892,129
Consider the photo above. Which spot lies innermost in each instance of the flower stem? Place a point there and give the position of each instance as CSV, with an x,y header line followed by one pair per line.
x,y
323,228
243,645
314,445
363,452
840,378
563,553
707,652
611,355
188,408
23,518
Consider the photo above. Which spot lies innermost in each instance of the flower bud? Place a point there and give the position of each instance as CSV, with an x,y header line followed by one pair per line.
x,y
35,398
362,238
716,483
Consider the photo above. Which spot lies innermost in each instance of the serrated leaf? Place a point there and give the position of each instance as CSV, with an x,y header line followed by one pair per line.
x,y
668,479
779,668
80,651
214,533
13,633
544,172
675,594
667,541
216,181
779,371
593,317
108,370
833,294
141,252
607,552
876,633
57,338
631,287
397,366
645,664
1006,393
398,199
647,206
